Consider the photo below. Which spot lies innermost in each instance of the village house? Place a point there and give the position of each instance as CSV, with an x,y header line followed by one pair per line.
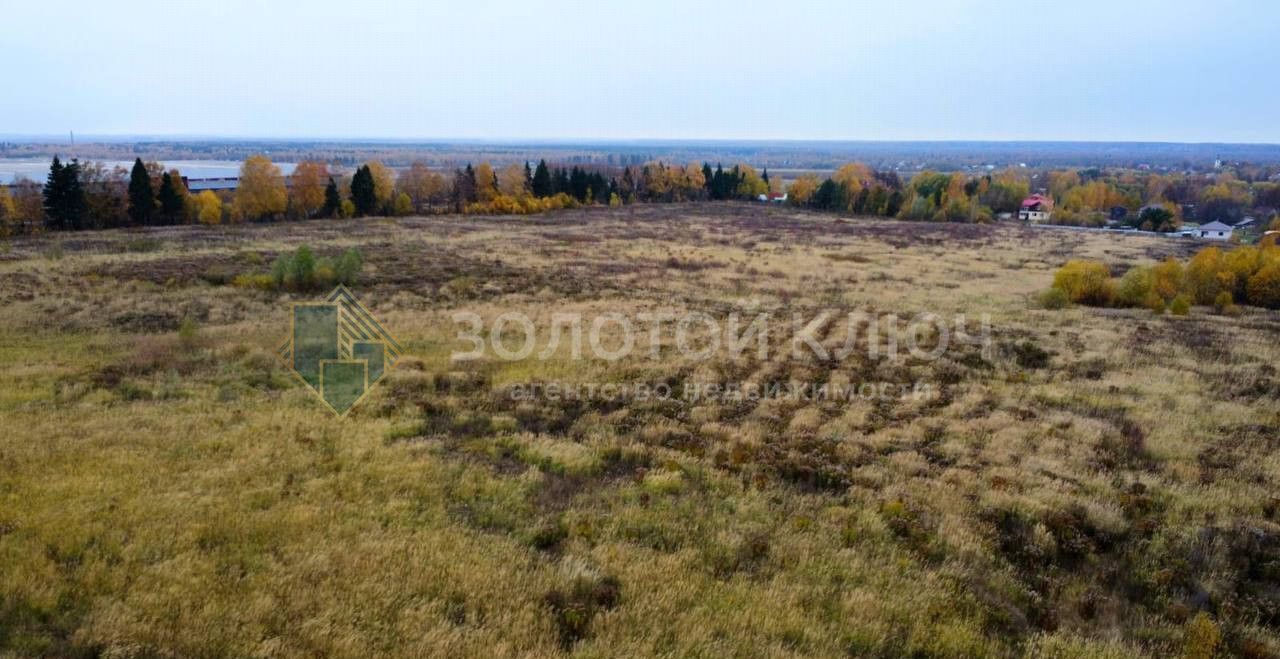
x,y
1215,231
1036,208
219,184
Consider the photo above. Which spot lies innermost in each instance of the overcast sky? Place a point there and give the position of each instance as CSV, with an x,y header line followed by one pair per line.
x,y
1167,70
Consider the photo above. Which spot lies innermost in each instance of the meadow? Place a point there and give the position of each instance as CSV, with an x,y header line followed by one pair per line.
x,y
1100,482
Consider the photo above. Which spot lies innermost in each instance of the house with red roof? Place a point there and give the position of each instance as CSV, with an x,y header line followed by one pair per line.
x,y
1036,208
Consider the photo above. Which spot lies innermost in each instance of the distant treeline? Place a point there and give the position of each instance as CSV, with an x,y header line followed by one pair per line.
x,y
79,196
909,156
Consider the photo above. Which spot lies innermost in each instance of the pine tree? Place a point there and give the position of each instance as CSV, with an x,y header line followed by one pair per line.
x,y
65,204
142,201
560,182
362,191
464,188
528,176
578,184
541,184
53,195
77,203
471,188
332,200
171,205
708,182
718,184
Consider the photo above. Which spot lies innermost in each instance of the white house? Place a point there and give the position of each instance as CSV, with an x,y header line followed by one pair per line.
x,y
1215,231
1036,208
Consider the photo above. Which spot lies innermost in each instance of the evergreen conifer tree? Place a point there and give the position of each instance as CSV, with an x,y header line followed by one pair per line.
x,y
142,200
362,191
171,205
332,200
53,195
541,185
65,204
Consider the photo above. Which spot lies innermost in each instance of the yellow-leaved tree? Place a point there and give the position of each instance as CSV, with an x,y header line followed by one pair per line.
x,y
261,193
423,186
802,189
208,207
854,176
510,181
8,213
1206,276
486,182
306,192
384,183
751,185
692,181
1263,288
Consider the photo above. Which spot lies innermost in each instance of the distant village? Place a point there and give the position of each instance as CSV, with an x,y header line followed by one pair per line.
x,y
1038,209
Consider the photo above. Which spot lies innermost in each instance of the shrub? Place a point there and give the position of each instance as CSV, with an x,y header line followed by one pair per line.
x,y
1181,305
1166,279
1029,355
1204,277
260,282
1242,263
1223,302
1085,282
1134,287
1203,638
301,271
1263,289
403,205
216,276
1154,302
348,266
325,277
188,332
459,287
1053,298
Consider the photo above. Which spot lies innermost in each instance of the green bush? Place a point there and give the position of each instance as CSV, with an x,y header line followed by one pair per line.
x,y
301,271
348,266
1134,287
1053,298
1223,303
1181,305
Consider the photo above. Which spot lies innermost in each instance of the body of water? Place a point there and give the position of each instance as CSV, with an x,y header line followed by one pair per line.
x,y
37,169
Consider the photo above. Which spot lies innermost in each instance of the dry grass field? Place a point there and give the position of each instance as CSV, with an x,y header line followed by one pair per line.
x,y
1100,483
